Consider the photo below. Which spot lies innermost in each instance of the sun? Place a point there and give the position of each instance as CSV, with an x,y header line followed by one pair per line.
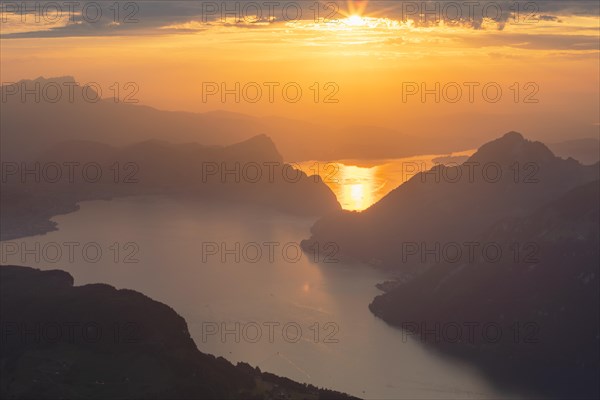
x,y
355,20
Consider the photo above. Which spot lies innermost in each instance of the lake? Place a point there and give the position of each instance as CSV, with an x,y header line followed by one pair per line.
x,y
236,275
358,184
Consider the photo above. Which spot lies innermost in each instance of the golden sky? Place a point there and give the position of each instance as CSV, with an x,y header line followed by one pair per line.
x,y
361,55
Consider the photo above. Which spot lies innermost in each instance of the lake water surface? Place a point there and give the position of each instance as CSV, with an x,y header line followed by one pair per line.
x,y
331,339
358,184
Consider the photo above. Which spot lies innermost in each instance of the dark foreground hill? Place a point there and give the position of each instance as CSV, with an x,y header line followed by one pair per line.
x,y
96,342
541,309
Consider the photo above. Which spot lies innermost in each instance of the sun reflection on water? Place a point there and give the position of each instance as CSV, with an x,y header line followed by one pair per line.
x,y
360,184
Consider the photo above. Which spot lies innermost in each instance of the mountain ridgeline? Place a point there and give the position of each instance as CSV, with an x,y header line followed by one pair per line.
x,y
497,256
501,271
81,112
95,342
541,312
251,172
39,113
508,177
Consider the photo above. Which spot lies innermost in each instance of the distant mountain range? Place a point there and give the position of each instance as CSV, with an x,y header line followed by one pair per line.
x,y
29,127
93,341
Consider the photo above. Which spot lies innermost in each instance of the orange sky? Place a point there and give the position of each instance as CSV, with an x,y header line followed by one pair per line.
x,y
366,58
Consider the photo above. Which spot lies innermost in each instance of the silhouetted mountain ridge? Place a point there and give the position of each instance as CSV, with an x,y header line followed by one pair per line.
x,y
513,147
113,344
546,301
508,177
586,150
86,116
250,172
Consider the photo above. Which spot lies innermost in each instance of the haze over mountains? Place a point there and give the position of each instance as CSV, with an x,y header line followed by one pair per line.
x,y
250,172
511,192
587,151
405,195
28,127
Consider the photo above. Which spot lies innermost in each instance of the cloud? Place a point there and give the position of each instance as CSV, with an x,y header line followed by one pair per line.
x,y
151,17
538,42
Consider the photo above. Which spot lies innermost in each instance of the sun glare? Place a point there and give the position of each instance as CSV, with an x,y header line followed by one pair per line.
x,y
355,20
357,192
